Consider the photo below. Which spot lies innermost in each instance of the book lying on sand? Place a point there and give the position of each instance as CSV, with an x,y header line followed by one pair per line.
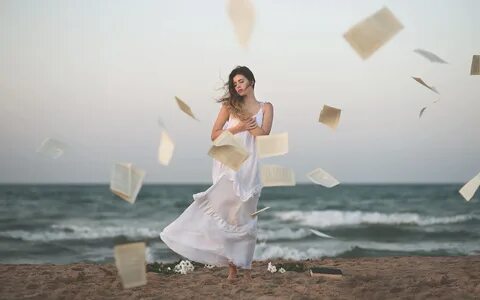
x,y
326,272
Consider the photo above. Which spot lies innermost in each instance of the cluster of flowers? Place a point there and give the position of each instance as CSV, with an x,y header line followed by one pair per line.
x,y
209,266
272,269
184,267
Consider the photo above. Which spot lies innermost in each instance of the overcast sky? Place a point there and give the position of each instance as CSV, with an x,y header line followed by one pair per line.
x,y
99,74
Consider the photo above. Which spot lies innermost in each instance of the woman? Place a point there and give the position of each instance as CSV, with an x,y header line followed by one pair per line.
x,y
217,228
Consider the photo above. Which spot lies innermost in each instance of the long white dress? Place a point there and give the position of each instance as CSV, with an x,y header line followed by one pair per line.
x,y
217,228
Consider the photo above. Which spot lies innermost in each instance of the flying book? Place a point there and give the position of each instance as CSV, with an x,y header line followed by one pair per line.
x,y
272,145
321,177
165,150
470,188
420,80
330,116
126,181
475,70
52,148
130,263
369,35
227,150
242,15
185,108
273,175
430,56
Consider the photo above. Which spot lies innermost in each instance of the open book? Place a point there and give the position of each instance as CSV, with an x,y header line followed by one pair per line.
x,y
126,181
227,150
130,263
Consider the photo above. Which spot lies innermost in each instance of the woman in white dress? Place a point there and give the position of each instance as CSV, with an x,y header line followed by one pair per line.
x,y
217,228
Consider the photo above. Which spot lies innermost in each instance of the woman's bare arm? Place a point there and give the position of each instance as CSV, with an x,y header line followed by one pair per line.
x,y
267,121
222,117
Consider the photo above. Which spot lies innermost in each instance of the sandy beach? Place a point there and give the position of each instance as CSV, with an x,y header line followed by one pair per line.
x,y
364,278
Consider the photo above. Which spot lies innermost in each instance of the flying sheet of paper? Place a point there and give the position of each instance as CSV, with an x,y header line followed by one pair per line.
x,y
422,111
369,35
420,80
259,211
185,108
430,56
273,175
475,70
227,150
126,181
165,150
52,148
130,263
272,145
469,189
242,15
322,177
321,234
330,116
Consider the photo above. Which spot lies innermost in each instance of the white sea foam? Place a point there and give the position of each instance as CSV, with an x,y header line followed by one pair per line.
x,y
329,218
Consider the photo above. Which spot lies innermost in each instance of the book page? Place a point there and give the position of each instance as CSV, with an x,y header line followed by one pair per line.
x,y
242,15
420,80
273,175
470,188
259,211
330,116
166,148
369,35
321,177
475,70
51,148
430,56
227,150
184,107
130,263
272,145
121,180
137,181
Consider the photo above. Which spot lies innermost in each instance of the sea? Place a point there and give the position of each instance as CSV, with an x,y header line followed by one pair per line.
x,y
63,224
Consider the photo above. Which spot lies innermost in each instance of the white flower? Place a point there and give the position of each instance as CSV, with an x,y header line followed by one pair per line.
x,y
209,266
271,268
282,270
168,268
184,267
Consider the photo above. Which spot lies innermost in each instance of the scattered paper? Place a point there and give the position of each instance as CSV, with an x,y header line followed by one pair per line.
x,y
242,15
227,150
469,189
430,56
322,177
272,145
165,150
422,111
475,70
52,148
273,175
259,211
130,263
369,35
330,116
126,181
321,234
419,80
185,108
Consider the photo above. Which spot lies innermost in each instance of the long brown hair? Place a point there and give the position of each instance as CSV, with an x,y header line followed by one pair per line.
x,y
231,98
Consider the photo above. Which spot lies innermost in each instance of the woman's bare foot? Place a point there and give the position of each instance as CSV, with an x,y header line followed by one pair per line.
x,y
232,272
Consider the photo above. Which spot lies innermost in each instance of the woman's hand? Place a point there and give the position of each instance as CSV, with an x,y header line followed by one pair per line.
x,y
247,124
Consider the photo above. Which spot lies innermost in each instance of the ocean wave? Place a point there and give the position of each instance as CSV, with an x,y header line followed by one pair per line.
x,y
265,251
284,233
330,218
78,232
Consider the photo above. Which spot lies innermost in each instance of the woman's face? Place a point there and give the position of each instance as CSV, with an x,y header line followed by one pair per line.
x,y
242,84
